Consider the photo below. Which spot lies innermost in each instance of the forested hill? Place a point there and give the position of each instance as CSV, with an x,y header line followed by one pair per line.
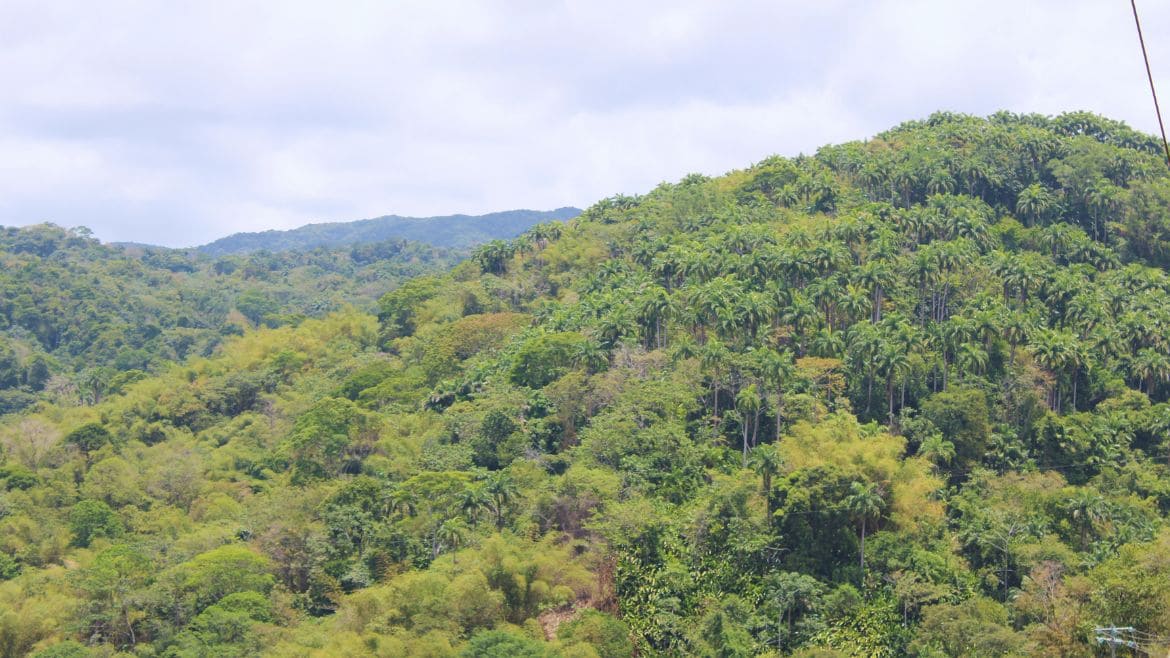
x,y
449,231
903,397
79,319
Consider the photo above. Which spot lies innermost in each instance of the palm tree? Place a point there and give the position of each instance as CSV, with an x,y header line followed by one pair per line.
x,y
747,403
493,256
801,313
655,306
766,461
450,534
1016,329
755,310
793,593
855,302
937,449
1056,351
709,299
1101,199
972,357
591,355
474,500
950,336
501,489
940,181
878,276
728,322
1033,203
865,503
924,270
1151,367
1057,238
1086,509
712,357
864,341
776,368
828,343
402,501
894,362
618,323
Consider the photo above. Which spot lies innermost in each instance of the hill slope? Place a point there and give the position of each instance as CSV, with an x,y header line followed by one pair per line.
x,y
447,231
904,397
78,317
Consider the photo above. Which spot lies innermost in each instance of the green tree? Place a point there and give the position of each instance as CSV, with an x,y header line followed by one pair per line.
x,y
209,577
865,502
115,586
331,437
963,418
90,519
89,438
503,644
542,359
975,628
604,633
766,461
793,596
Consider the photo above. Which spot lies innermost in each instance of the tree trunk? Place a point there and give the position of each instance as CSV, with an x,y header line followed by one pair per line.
x,y
768,496
780,633
890,398
863,547
129,625
745,443
779,402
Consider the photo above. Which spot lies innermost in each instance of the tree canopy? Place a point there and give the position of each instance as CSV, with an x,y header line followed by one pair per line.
x,y
908,396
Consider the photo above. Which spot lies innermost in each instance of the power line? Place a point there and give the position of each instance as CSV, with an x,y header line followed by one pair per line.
x,y
1128,637
1150,77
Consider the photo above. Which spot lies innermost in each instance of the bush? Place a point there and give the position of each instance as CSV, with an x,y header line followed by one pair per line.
x,y
608,635
9,567
502,644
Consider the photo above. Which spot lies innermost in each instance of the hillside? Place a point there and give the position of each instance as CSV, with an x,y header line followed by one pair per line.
x,y
907,396
455,231
79,319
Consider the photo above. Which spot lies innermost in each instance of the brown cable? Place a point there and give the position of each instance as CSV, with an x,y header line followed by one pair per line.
x,y
1150,76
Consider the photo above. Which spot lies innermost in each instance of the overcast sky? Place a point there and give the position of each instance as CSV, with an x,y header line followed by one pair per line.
x,y
176,123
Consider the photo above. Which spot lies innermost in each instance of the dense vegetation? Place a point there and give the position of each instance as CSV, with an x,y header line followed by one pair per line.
x,y
903,397
79,319
455,231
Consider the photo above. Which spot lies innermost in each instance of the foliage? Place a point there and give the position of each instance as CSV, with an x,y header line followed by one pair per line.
x,y
902,397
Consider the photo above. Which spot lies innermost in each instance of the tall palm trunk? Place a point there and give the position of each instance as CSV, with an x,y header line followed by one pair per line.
x,y
863,546
779,408
745,441
890,398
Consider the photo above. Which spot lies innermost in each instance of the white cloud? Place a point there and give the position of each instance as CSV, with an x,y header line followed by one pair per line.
x,y
176,124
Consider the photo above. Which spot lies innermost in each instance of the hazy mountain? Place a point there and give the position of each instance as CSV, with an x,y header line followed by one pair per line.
x,y
446,231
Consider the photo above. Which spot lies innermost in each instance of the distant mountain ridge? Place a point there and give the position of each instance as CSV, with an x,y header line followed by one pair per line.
x,y
445,231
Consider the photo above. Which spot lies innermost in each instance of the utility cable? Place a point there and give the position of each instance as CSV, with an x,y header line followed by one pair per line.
x,y
1150,77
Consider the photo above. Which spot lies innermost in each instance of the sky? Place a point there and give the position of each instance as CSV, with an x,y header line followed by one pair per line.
x,y
178,123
